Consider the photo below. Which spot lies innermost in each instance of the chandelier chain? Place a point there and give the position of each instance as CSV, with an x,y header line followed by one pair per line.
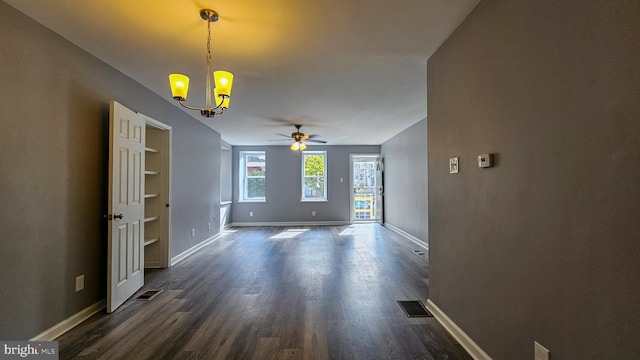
x,y
209,40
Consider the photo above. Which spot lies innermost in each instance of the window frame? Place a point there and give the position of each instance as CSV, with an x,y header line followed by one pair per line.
x,y
303,197
244,178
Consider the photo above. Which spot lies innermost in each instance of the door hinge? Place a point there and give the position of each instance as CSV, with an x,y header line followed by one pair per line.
x,y
109,217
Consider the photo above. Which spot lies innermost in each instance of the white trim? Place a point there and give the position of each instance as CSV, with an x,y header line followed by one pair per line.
x,y
155,123
166,166
351,191
243,176
407,235
290,223
69,323
467,343
304,154
183,255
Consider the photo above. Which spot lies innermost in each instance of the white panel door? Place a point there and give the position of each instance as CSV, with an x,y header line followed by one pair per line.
x,y
125,273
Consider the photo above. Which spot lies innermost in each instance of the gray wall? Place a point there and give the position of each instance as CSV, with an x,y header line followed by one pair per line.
x,y
54,158
283,182
195,181
405,181
226,189
546,245
225,172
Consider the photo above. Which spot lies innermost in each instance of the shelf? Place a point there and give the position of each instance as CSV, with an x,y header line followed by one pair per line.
x,y
150,241
149,172
151,150
152,218
147,196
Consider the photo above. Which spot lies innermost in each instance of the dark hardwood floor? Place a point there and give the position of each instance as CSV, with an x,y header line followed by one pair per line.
x,y
320,292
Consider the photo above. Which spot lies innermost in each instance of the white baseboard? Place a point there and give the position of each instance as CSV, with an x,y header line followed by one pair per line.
x,y
408,236
69,323
185,254
291,223
467,343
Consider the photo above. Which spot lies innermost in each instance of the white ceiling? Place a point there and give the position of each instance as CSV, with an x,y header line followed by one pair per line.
x,y
352,71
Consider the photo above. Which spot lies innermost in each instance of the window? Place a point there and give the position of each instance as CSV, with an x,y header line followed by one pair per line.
x,y
314,176
252,175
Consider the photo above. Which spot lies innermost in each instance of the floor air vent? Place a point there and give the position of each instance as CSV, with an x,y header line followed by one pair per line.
x,y
147,295
414,308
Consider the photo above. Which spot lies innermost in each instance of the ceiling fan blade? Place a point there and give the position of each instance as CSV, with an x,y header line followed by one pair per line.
x,y
280,140
275,121
312,136
287,136
317,141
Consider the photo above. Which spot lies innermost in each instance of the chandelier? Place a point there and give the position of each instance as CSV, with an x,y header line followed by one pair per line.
x,y
222,80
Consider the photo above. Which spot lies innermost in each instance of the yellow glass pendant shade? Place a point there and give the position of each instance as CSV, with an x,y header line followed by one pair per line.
x,y
179,86
223,81
298,146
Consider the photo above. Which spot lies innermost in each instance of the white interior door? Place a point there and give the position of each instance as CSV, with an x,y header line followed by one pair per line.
x,y
125,273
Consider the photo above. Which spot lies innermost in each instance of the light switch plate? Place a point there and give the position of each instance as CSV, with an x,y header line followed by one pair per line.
x,y
540,352
79,283
453,165
485,160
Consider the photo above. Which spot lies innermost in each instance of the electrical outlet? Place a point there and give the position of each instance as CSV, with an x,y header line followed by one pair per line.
x,y
313,213
79,283
250,213
541,353
193,232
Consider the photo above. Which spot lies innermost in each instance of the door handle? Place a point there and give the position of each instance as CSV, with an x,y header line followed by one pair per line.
x,y
118,216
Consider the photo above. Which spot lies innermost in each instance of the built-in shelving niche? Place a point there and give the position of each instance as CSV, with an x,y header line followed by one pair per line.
x,y
156,206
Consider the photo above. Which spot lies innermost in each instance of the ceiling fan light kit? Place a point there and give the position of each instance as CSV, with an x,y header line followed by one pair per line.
x,y
298,137
223,80
298,146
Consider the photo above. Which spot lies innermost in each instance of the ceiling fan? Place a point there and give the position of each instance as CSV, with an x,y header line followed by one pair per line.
x,y
298,138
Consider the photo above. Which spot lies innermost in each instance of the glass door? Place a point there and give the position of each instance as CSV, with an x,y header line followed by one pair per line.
x,y
366,188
